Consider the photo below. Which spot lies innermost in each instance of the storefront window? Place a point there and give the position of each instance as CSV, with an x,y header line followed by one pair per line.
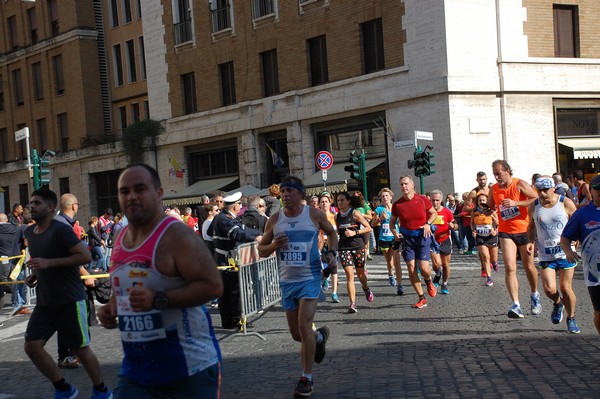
x,y
577,121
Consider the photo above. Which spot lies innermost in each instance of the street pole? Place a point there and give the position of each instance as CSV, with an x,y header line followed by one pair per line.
x,y
363,168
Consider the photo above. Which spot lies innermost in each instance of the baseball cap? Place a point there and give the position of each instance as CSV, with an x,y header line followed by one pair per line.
x,y
595,182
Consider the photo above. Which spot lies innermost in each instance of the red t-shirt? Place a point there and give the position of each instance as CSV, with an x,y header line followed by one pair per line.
x,y
442,232
412,214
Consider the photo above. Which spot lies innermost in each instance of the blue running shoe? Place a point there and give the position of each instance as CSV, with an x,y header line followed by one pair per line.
x,y
436,279
444,289
335,298
557,313
392,280
400,290
515,312
572,326
536,304
70,394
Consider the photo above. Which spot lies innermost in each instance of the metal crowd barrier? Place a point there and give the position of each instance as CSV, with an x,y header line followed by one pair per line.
x,y
259,285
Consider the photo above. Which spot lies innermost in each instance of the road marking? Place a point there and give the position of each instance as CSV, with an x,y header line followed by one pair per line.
x,y
8,332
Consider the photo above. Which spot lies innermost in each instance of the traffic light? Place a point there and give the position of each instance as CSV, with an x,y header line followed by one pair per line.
x,y
41,175
428,163
354,169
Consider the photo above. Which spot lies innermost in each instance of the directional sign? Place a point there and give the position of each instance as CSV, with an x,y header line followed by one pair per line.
x,y
398,145
22,134
423,135
324,160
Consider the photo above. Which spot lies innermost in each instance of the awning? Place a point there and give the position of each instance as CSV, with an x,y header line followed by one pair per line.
x,y
583,147
190,195
246,190
337,178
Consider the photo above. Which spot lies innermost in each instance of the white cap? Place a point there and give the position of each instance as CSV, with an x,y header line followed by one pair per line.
x,y
233,198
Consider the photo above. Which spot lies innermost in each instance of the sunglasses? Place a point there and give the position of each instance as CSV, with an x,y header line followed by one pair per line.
x,y
595,186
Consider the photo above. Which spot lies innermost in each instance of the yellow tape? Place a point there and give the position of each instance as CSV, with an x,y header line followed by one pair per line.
x,y
82,277
11,257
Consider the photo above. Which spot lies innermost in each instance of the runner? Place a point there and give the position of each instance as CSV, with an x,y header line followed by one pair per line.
x,y
388,246
293,234
442,252
547,217
414,214
331,270
351,227
512,196
485,231
492,251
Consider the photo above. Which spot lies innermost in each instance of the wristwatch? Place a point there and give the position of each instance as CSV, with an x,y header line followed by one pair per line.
x,y
428,222
161,302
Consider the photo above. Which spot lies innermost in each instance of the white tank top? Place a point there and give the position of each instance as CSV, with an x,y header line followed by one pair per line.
x,y
549,224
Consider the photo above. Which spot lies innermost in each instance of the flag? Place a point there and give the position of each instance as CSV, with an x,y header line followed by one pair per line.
x,y
277,161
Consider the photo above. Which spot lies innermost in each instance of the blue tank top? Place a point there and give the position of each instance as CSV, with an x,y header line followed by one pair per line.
x,y
301,260
159,346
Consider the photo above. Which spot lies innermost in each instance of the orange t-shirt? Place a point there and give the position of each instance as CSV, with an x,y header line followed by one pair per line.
x,y
513,220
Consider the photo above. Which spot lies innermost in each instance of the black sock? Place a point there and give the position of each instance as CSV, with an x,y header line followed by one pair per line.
x,y
62,385
100,387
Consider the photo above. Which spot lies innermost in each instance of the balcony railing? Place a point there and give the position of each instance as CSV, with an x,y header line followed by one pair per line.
x,y
183,32
262,8
221,19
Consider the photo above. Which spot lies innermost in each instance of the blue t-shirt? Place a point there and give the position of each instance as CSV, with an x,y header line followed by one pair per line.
x,y
385,234
584,226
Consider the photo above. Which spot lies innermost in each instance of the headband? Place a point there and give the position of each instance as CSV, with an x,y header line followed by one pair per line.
x,y
543,183
292,184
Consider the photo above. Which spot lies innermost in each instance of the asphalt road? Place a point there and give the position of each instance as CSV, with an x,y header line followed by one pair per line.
x,y
461,346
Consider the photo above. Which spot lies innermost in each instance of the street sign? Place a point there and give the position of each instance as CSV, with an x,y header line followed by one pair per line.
x,y
423,135
398,145
22,134
324,174
324,160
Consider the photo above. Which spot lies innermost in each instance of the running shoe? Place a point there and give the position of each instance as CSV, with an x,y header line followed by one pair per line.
x,y
321,349
495,266
471,252
369,295
352,308
431,290
444,289
335,298
102,395
536,304
483,273
392,280
72,393
489,282
304,388
572,326
436,279
557,313
515,312
421,303
325,284
400,290
69,362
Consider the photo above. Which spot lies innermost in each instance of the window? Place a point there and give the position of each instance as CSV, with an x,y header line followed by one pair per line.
x,y
63,185
227,83
24,193
63,130
107,194
114,14
142,50
135,112
42,134
3,145
1,94
38,84
12,32
221,15
54,26
146,110
188,83
317,58
118,65
127,11
18,87
22,144
566,31
261,8
216,163
59,80
372,41
122,118
270,73
31,18
138,9
131,70
183,21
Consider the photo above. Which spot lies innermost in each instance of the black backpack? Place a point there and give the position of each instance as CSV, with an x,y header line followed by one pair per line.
x,y
250,220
